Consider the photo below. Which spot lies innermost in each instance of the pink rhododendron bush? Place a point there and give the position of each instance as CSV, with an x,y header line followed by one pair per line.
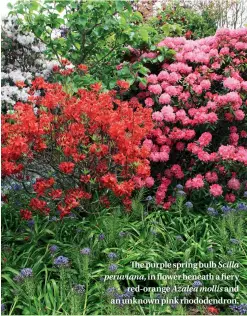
x,y
199,102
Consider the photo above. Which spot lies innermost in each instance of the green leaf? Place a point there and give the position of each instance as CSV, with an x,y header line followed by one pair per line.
x,y
120,5
144,34
60,8
33,5
160,58
38,31
81,21
138,16
10,6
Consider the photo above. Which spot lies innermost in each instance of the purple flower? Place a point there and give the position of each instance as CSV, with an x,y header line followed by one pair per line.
x,y
26,273
226,209
179,186
72,216
3,308
18,278
189,204
61,261
85,251
113,267
112,255
53,248
119,298
79,289
122,234
242,206
128,294
212,211
16,187
149,198
234,241
111,291
241,308
197,283
30,223
181,193
245,194
101,236
158,296
230,252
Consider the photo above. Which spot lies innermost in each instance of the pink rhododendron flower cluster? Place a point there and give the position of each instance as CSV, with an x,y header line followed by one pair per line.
x,y
199,104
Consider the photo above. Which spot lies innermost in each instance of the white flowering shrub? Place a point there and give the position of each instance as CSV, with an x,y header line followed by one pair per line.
x,y
22,60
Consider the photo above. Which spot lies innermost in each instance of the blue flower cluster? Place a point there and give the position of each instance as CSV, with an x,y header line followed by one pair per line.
x,y
241,308
61,262
234,241
26,273
212,211
53,248
101,236
197,283
79,289
112,256
242,207
3,308
113,267
85,251
122,234
239,207
188,205
127,294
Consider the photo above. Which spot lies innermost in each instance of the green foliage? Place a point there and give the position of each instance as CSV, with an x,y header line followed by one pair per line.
x,y
96,33
176,20
147,234
93,32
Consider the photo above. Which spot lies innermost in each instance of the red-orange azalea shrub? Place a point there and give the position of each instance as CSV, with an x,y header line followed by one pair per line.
x,y
77,144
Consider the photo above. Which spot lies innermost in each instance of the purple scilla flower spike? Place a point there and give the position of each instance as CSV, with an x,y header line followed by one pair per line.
x,y
85,251
79,289
113,267
26,273
61,261
53,248
112,255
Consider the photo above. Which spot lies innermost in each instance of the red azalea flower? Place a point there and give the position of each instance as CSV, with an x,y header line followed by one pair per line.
x,y
26,214
83,67
67,167
188,34
20,84
213,310
5,198
123,85
56,68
